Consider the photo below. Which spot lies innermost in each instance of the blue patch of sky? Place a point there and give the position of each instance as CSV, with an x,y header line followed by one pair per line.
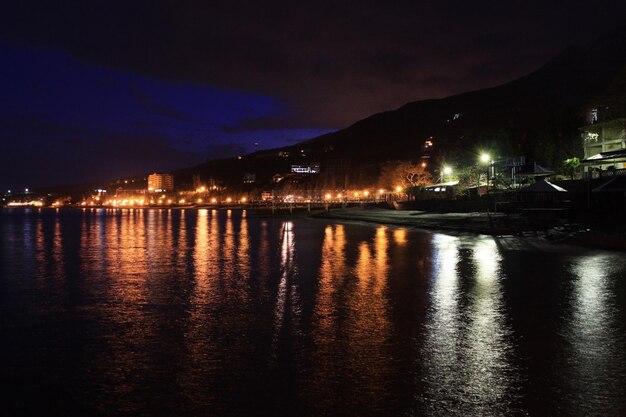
x,y
52,86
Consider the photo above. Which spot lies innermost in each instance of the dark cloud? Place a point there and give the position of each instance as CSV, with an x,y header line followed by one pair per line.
x,y
158,108
269,122
43,152
339,61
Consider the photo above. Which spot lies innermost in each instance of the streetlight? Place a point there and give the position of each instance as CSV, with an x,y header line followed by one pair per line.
x,y
485,158
447,171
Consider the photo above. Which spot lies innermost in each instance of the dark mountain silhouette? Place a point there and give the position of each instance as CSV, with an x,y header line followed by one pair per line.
x,y
537,116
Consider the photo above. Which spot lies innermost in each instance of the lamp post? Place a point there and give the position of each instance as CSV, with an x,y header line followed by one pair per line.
x,y
447,171
485,158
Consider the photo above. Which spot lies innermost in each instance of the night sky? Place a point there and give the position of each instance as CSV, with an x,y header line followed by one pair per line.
x,y
105,89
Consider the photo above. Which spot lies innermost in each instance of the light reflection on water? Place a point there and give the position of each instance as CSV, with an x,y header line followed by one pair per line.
x,y
287,293
163,312
595,368
351,329
467,352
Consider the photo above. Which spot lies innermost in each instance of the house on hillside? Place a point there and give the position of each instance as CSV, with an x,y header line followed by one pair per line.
x,y
604,145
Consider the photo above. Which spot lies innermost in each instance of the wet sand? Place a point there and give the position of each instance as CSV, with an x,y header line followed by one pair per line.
x,y
482,223
512,230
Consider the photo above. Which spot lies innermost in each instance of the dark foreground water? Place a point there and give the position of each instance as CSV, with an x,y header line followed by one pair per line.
x,y
207,313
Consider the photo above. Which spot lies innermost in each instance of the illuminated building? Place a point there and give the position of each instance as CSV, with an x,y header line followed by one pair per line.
x,y
306,169
604,143
160,182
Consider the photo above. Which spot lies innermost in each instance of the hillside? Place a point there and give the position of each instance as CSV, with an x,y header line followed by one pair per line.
x,y
537,116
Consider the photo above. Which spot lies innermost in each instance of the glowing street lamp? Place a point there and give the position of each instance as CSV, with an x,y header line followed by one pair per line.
x,y
485,158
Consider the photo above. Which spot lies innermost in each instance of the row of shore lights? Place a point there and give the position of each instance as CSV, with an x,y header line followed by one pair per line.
x,y
446,171
141,202
357,194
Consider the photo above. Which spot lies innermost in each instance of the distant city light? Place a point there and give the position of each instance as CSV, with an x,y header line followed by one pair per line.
x,y
398,189
27,203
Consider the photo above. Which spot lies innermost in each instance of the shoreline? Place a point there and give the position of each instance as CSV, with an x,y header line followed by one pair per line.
x,y
473,222
478,223
492,224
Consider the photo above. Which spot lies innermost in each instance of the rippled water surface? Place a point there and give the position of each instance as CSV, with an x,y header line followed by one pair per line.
x,y
220,313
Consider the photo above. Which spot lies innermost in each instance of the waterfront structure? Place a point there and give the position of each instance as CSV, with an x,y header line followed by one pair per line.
x,y
160,182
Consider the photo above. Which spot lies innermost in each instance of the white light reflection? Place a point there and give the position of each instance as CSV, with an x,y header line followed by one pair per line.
x,y
595,372
441,356
445,291
489,385
467,345
287,290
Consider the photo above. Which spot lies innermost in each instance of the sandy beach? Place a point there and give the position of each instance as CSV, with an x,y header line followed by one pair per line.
x,y
496,224
482,223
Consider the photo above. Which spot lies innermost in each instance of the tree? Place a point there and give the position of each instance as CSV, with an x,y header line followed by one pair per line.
x,y
570,165
405,174
468,176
